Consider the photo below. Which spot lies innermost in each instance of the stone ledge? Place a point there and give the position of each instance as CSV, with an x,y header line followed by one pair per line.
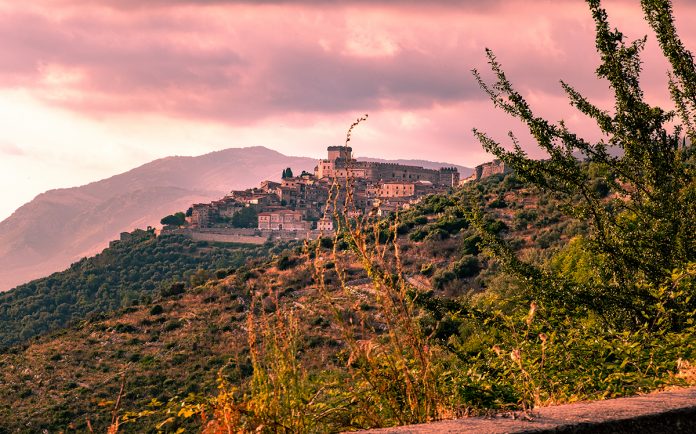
x,y
672,411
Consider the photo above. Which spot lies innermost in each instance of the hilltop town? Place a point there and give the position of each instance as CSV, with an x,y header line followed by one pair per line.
x,y
296,206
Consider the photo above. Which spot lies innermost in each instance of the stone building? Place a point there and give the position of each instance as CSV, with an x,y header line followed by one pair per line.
x,y
255,196
284,219
200,215
269,186
224,208
397,189
408,189
325,224
449,176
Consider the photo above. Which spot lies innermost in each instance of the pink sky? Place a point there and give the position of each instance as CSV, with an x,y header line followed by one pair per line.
x,y
92,88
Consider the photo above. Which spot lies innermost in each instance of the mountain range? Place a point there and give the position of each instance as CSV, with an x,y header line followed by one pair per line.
x,y
61,226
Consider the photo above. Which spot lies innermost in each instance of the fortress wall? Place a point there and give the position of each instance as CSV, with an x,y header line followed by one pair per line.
x,y
246,236
492,168
227,231
388,172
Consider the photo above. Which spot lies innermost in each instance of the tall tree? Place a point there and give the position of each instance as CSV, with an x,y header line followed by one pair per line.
x,y
645,230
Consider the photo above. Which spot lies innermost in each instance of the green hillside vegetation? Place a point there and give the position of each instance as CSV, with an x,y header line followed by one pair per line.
x,y
572,279
171,345
127,273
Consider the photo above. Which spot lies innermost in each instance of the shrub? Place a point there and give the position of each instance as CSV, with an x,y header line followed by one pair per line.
x,y
285,262
437,234
175,288
442,277
427,269
418,234
467,266
172,325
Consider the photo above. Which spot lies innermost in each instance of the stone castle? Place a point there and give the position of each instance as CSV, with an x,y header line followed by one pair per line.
x,y
340,164
495,167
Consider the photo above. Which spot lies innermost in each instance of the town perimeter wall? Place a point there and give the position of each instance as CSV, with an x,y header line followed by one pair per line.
x,y
245,236
227,238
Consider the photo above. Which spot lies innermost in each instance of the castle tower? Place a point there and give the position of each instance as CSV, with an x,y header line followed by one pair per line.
x,y
342,152
449,176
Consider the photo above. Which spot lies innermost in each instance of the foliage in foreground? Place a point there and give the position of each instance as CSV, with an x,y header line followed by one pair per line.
x,y
625,326
419,357
644,231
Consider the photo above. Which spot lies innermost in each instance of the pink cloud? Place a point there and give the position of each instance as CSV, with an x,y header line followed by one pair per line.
x,y
8,148
239,63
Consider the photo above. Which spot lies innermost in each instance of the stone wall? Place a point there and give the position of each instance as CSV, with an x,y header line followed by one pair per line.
x,y
398,172
244,236
671,412
492,168
228,238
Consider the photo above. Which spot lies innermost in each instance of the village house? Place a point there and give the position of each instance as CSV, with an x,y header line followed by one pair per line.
x,y
397,189
269,186
283,220
325,224
225,207
407,189
255,196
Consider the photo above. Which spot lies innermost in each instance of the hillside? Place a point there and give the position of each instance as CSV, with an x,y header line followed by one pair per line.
x,y
129,272
61,226
307,324
172,345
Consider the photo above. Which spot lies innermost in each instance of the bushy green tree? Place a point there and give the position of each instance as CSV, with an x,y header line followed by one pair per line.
x,y
246,218
644,230
176,219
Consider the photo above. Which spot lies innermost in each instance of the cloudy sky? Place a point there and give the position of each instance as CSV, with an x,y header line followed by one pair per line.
x,y
91,88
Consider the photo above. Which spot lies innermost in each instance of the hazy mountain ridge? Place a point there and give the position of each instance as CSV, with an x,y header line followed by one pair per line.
x,y
61,226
